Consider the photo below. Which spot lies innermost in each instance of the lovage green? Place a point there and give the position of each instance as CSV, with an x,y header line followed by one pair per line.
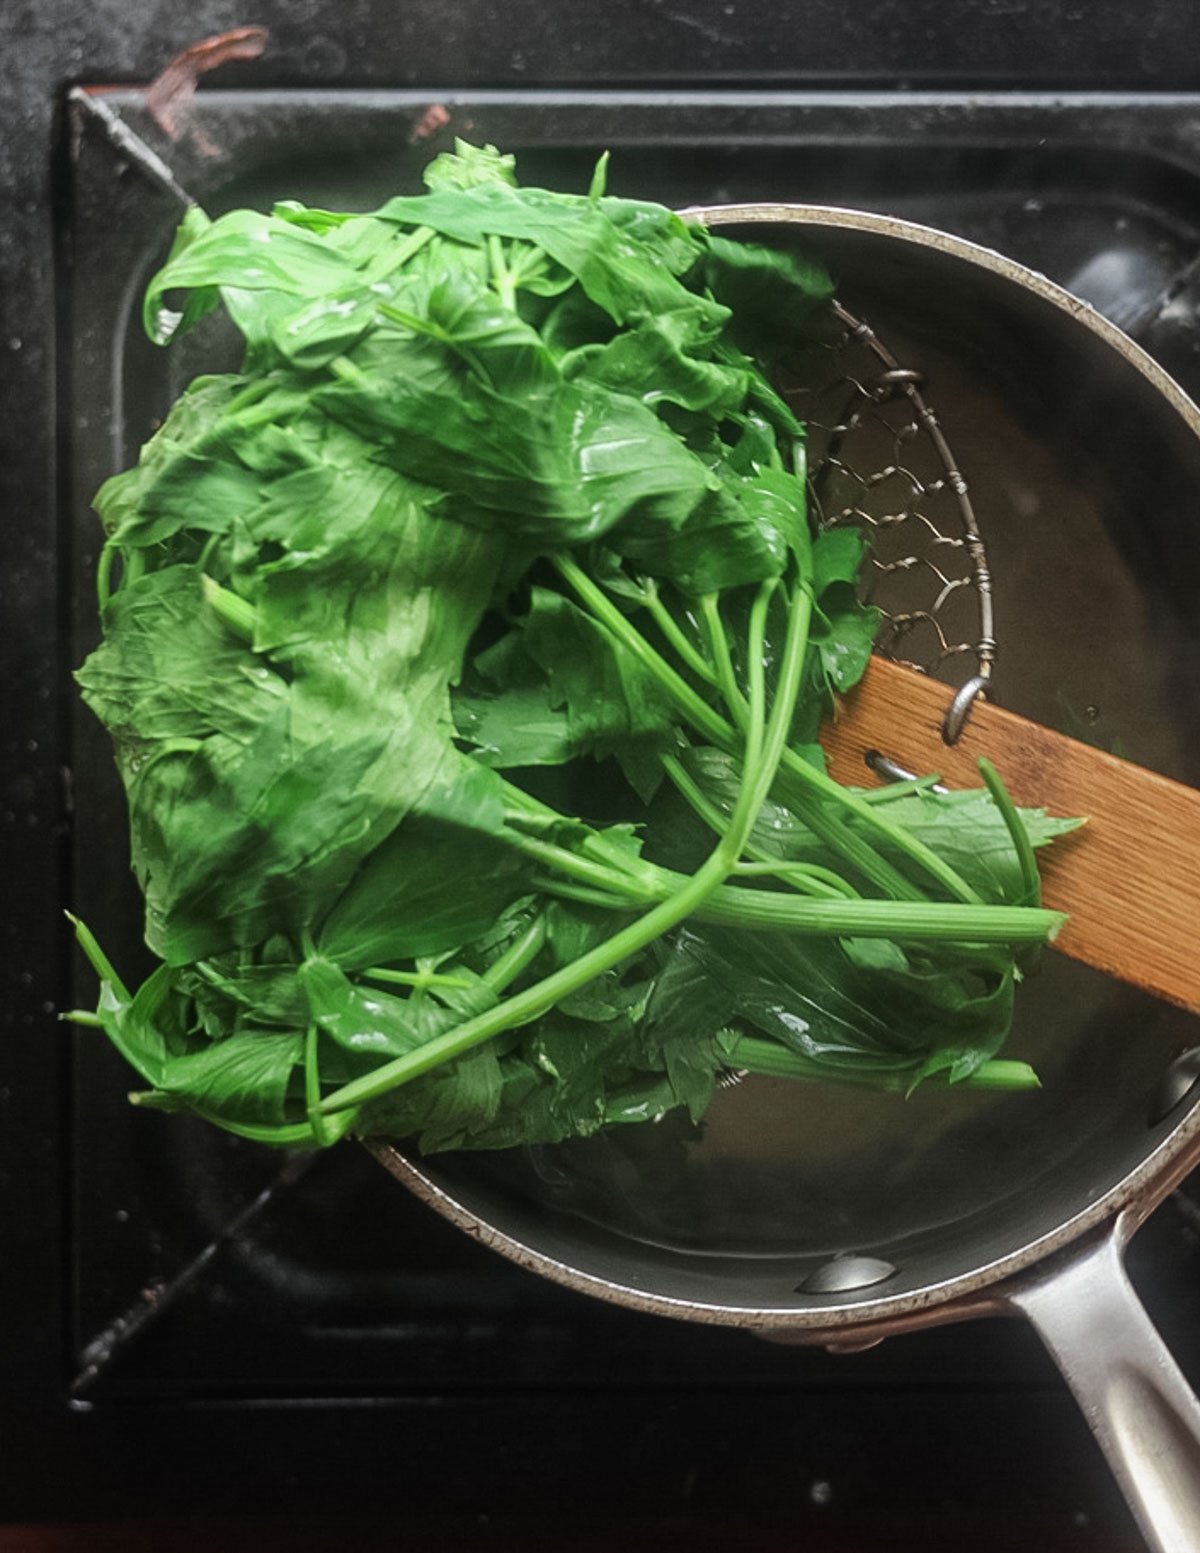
x,y
464,656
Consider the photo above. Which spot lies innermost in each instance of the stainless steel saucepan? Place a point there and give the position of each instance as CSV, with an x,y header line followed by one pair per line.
x,y
839,1218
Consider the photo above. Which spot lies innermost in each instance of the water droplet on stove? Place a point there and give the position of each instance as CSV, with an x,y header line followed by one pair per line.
x,y
1092,713
821,1492
1034,206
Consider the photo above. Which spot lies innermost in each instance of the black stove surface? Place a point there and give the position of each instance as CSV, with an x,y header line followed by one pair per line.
x,y
219,1328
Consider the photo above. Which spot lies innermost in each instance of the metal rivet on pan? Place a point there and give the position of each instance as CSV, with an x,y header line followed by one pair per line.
x,y
1178,1081
844,1273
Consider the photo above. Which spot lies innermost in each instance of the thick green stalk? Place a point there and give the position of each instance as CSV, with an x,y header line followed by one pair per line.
x,y
918,921
563,889
752,1054
233,610
830,828
835,915
108,554
502,276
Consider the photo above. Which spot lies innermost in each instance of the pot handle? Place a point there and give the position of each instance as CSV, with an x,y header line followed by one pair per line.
x,y
1133,1394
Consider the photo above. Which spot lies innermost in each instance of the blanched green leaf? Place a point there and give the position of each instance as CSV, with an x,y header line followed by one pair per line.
x,y
776,298
561,687
913,1012
242,1077
469,165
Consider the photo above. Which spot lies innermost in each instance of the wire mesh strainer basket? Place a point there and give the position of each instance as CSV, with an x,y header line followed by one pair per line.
x,y
878,460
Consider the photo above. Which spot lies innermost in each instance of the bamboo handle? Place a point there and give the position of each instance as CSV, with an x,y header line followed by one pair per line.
x,y
1130,878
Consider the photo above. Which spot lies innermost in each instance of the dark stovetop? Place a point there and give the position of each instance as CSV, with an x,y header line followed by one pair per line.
x,y
302,1328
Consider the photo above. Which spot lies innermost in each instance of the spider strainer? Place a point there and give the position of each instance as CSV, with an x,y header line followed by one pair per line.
x,y
879,460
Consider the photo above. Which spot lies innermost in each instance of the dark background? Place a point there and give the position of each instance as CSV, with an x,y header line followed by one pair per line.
x,y
960,1438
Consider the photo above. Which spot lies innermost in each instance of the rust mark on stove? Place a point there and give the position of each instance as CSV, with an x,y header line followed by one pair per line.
x,y
435,117
168,95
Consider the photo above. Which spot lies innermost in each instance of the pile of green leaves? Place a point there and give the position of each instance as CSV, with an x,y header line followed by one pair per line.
x,y
464,656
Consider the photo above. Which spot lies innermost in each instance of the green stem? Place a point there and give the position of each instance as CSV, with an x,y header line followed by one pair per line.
x,y
838,915
769,1058
808,878
830,829
527,810
755,760
502,277
718,646
895,790
565,890
670,628
312,1088
104,568
830,826
921,920
597,875
81,1016
414,978
519,956
1031,879
533,1001
298,1135
389,260
236,613
804,780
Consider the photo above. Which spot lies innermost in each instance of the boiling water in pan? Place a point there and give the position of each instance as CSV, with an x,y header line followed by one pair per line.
x,y
1095,639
